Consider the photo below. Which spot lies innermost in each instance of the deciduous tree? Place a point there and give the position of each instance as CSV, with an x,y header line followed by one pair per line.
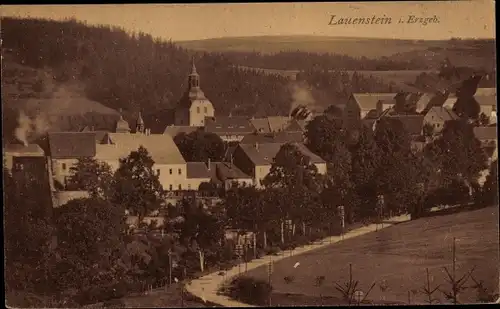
x,y
136,185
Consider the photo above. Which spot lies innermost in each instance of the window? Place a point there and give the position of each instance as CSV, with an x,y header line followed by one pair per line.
x,y
170,187
64,166
189,186
158,172
198,109
180,171
205,109
170,171
180,187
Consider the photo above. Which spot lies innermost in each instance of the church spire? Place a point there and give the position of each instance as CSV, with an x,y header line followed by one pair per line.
x,y
194,78
193,67
140,124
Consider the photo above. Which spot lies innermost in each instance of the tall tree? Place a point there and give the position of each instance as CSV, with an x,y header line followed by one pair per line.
x,y
90,237
199,146
200,231
136,185
93,176
458,153
297,178
28,231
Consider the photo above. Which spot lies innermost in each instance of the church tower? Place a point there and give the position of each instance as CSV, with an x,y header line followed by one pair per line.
x,y
193,106
139,128
122,125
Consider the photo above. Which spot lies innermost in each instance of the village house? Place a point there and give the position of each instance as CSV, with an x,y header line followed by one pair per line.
x,y
486,135
256,159
363,103
227,175
64,151
437,116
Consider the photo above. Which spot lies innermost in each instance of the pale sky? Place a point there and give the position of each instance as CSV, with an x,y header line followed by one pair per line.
x,y
466,18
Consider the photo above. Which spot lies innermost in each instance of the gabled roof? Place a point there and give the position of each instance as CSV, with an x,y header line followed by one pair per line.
x,y
485,133
161,147
197,170
174,130
278,123
226,170
228,125
443,113
261,125
20,150
280,137
99,135
294,126
368,101
264,154
72,145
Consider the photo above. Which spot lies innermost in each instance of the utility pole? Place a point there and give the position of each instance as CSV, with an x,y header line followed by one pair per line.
x,y
270,271
169,267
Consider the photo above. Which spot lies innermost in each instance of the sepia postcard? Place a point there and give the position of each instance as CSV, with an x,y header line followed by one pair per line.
x,y
250,154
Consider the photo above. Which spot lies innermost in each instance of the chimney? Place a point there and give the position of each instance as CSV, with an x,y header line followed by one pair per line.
x,y
208,164
257,146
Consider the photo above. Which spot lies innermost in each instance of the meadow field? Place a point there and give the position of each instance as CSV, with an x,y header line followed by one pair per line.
x,y
397,258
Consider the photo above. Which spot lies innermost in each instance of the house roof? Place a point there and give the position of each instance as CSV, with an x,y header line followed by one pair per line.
x,y
423,101
280,137
263,154
485,133
66,145
99,135
197,170
278,123
413,124
21,150
228,125
486,91
443,113
486,100
261,125
368,101
226,170
161,147
174,130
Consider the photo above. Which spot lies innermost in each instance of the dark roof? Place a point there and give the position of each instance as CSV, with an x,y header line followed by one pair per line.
x,y
226,170
280,137
174,130
412,123
294,126
99,135
72,144
228,125
261,125
263,154
197,170
485,133
21,150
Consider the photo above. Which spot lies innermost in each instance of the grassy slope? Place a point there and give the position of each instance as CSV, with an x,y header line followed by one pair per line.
x,y
399,255
56,98
355,47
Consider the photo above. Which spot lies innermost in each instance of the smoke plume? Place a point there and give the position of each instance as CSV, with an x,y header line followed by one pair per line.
x,y
28,128
301,96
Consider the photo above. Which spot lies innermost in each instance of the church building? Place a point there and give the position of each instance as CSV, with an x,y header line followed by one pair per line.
x,y
193,106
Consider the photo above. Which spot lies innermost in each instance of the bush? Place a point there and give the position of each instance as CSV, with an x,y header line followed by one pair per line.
x,y
250,290
272,250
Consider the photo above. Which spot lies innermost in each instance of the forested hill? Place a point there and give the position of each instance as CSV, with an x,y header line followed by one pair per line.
x,y
136,72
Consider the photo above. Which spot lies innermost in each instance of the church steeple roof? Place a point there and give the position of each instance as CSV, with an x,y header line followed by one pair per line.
x,y
122,125
193,68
